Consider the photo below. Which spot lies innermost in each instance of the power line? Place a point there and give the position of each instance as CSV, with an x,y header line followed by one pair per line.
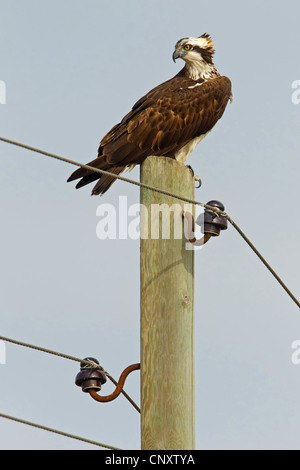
x,y
61,433
48,351
167,193
265,262
71,358
103,172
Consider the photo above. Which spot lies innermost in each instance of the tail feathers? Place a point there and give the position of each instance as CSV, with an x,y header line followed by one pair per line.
x,y
82,172
88,176
106,181
87,179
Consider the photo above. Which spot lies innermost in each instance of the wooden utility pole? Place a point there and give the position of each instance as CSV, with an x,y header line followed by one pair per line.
x,y
167,312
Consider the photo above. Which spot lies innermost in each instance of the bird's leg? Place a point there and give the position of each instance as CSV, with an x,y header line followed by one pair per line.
x,y
196,178
191,170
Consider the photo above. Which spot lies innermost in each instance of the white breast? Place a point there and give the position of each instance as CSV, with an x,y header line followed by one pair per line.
x,y
185,151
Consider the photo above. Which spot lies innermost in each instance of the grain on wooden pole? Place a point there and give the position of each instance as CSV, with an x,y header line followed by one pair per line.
x,y
167,312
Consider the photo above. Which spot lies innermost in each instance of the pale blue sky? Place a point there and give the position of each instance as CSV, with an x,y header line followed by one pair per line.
x,y
72,69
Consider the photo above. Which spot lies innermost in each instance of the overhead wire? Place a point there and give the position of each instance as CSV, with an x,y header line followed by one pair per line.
x,y
66,356
56,431
71,358
167,193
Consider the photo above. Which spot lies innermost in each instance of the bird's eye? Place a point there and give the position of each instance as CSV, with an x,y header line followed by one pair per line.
x,y
187,47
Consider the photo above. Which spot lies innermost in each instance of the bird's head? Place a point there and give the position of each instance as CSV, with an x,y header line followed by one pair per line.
x,y
193,50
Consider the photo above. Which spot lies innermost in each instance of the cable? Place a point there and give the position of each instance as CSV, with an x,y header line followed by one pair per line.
x,y
103,172
61,433
264,261
49,351
71,358
167,193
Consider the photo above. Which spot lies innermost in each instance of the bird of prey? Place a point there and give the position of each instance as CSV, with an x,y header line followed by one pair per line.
x,y
169,121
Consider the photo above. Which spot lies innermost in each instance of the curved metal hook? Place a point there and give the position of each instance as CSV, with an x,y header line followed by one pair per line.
x,y
119,386
191,230
198,180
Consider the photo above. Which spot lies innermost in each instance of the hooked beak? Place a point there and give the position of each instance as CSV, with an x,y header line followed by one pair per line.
x,y
177,55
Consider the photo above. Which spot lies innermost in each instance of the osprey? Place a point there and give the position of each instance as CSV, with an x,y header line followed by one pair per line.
x,y
169,121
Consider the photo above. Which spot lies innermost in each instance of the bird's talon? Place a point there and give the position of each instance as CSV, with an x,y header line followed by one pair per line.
x,y
191,170
197,180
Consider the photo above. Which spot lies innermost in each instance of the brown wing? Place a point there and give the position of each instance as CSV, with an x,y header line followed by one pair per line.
x,y
165,120
160,123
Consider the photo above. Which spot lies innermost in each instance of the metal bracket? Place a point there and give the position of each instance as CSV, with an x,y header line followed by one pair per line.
x,y
91,379
210,223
